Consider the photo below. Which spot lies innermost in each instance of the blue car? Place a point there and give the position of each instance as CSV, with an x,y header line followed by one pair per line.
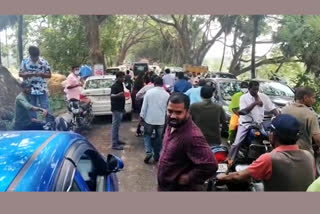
x,y
32,161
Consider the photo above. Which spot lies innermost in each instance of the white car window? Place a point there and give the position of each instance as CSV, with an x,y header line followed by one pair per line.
x,y
99,83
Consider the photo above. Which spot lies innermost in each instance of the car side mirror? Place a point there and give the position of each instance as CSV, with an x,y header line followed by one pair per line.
x,y
114,164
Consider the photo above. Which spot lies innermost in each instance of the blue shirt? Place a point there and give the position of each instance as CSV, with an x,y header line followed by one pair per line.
x,y
182,86
194,94
154,106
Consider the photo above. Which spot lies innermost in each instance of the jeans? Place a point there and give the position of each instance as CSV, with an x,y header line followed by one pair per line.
x,y
153,145
42,100
116,121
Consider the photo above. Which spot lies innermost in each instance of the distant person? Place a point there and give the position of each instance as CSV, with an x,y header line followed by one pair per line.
x,y
117,108
36,70
72,84
23,108
137,85
182,85
168,79
195,93
208,116
128,80
310,132
153,113
186,160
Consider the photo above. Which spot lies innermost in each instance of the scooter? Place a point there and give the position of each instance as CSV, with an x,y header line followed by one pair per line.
x,y
81,114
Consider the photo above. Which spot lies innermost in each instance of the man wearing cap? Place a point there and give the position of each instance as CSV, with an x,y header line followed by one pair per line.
x,y
286,168
23,108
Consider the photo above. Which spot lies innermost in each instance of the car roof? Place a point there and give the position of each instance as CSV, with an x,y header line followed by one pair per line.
x,y
224,79
101,77
33,157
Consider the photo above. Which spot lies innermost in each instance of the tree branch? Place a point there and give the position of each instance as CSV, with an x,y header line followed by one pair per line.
x,y
162,21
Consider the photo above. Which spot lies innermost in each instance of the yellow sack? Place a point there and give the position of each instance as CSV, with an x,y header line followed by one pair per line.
x,y
234,122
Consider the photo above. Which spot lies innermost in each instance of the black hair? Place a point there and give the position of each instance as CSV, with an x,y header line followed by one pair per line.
x,y
207,92
178,97
253,83
303,91
180,75
25,84
158,81
202,82
153,77
284,139
75,66
119,74
244,85
34,51
167,71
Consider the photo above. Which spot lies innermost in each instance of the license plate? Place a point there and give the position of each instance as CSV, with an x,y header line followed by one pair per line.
x,y
101,98
222,167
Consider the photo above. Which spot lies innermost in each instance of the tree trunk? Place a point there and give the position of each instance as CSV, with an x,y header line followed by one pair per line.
x,y
20,34
224,52
122,56
253,53
92,30
8,52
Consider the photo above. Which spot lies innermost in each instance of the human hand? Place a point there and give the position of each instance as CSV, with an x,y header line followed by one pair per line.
x,y
183,180
44,112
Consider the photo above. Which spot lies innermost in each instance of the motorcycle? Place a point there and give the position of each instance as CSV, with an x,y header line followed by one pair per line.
x,y
56,123
81,114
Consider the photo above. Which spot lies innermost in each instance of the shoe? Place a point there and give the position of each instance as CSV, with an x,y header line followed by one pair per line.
x,y
138,134
147,158
122,143
117,147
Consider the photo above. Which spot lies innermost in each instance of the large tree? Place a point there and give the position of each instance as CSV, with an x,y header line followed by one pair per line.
x,y
92,23
194,33
5,22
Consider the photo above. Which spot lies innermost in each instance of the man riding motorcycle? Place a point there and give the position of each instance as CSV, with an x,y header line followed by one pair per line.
x,y
286,168
252,107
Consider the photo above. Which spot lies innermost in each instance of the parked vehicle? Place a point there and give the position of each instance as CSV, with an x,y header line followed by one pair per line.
x,y
219,75
82,115
54,161
139,67
98,90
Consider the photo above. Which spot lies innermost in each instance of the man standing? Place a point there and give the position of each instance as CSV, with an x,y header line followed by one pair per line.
x,y
309,130
23,107
186,160
182,85
35,70
72,84
168,79
194,93
128,81
117,108
234,108
153,113
253,105
286,168
208,116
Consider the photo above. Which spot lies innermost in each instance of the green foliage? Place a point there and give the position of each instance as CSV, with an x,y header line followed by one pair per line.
x,y
64,43
57,103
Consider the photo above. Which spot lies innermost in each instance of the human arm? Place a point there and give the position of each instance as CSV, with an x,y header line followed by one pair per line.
x,y
245,107
235,176
314,129
141,93
144,108
116,92
203,160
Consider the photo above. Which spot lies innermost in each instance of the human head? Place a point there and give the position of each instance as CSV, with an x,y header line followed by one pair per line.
x,y
202,82
34,53
253,88
244,87
305,95
284,130
178,109
207,92
26,87
120,76
153,77
167,71
128,72
194,74
158,82
180,75
75,69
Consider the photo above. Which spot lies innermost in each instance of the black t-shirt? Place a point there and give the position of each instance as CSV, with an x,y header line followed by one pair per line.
x,y
117,103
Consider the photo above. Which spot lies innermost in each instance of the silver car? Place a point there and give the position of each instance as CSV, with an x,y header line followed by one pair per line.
x,y
98,89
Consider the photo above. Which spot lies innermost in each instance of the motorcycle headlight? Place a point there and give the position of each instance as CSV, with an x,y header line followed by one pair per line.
x,y
75,111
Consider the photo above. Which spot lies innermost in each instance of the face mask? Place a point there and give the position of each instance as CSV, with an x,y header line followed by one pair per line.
x,y
244,90
77,72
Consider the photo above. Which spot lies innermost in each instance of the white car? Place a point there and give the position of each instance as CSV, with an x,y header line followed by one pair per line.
x,y
98,89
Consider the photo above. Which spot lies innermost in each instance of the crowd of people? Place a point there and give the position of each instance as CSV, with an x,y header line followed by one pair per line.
x,y
180,122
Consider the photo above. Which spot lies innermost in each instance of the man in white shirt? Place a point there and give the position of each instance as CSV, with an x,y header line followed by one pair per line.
x,y
252,107
153,113
168,79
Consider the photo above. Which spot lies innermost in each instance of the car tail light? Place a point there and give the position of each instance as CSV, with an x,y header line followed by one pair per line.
x,y
220,156
127,95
